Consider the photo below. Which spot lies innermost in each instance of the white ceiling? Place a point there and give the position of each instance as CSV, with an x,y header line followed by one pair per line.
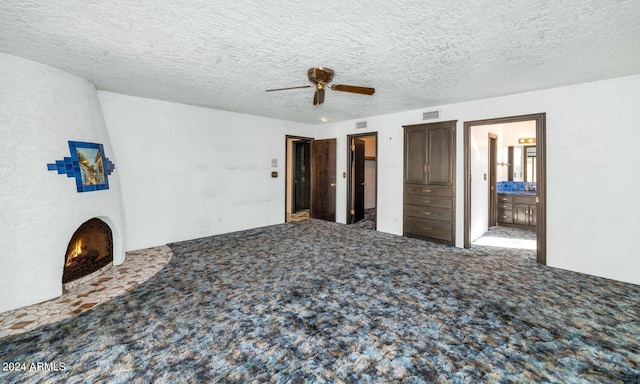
x,y
416,54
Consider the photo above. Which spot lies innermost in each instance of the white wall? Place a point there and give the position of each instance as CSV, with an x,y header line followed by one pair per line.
x,y
592,175
41,109
190,172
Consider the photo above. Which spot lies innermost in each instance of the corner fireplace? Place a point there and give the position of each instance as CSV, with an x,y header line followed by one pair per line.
x,y
90,249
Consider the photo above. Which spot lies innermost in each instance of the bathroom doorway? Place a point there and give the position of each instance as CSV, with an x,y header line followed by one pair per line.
x,y
519,166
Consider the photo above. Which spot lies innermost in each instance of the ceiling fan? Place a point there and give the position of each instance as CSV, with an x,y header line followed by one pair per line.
x,y
321,77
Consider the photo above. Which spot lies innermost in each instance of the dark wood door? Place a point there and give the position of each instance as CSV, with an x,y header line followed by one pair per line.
x,y
301,175
323,179
358,179
440,139
415,149
493,169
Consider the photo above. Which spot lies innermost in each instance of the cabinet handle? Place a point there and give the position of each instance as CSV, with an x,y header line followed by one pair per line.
x,y
504,217
426,201
426,213
427,228
426,190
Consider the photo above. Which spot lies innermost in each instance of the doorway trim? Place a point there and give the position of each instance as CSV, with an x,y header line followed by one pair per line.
x,y
288,187
348,175
541,177
493,165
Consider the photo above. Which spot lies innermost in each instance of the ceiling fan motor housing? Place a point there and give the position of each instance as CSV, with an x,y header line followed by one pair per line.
x,y
320,75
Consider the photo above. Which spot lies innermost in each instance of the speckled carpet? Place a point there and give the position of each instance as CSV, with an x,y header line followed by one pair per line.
x,y
314,301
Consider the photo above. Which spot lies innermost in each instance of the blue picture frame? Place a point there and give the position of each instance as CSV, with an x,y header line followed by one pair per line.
x,y
87,164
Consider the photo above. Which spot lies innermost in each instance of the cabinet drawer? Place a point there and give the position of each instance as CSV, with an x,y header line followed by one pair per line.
x,y
505,198
429,228
428,190
505,206
531,200
438,202
428,212
505,216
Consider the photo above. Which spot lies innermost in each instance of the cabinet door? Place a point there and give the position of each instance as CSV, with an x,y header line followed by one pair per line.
x,y
415,152
440,153
521,214
533,215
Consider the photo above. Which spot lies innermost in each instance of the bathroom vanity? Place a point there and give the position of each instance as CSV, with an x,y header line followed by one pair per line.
x,y
517,208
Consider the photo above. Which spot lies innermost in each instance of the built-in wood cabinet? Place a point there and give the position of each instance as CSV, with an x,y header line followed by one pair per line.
x,y
429,181
517,209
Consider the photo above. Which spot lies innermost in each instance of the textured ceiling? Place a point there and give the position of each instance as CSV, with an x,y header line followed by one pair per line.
x,y
416,54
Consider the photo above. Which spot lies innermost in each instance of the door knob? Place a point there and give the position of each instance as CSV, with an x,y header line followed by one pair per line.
x,y
333,184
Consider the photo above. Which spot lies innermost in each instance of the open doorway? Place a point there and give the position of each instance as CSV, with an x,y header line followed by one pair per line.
x,y
362,176
298,178
505,183
310,180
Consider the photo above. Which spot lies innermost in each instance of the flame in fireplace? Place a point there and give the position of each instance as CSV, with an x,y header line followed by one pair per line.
x,y
74,253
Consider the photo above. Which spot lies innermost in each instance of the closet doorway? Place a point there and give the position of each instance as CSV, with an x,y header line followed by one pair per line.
x,y
362,179
298,178
505,162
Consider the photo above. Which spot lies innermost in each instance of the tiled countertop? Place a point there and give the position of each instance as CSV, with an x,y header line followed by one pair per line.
x,y
517,193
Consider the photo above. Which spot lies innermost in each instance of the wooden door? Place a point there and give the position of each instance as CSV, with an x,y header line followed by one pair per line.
x,y
493,168
358,183
415,148
301,175
323,179
440,157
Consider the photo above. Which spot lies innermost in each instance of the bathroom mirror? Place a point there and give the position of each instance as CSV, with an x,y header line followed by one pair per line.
x,y
530,163
521,163
515,160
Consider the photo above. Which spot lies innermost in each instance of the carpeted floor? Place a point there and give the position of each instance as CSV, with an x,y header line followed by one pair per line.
x,y
314,301
369,221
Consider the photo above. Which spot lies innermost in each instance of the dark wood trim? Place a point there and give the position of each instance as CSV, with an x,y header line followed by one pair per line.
x,y
541,175
349,186
541,187
286,168
492,176
467,184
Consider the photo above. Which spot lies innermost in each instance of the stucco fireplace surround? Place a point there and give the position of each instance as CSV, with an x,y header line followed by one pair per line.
x,y
47,109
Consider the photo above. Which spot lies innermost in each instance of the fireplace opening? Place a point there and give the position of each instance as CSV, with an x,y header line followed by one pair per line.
x,y
90,249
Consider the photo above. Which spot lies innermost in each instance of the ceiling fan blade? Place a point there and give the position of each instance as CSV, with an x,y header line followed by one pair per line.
x,y
353,89
318,97
285,89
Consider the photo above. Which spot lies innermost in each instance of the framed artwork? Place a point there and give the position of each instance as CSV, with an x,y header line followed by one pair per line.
x,y
87,164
